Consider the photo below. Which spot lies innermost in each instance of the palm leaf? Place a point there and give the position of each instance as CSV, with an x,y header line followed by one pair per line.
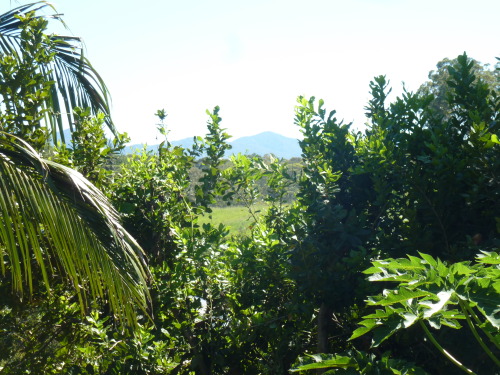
x,y
54,219
77,83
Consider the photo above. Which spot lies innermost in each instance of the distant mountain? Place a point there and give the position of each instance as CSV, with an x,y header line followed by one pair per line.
x,y
267,143
260,144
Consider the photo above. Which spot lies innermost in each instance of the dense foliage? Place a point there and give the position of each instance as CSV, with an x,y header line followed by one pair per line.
x,y
56,225
413,202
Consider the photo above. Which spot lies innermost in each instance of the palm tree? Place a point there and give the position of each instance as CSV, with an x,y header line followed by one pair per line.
x,y
72,80
51,217
56,219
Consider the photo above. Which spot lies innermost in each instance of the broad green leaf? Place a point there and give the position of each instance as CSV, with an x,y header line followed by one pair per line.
x,y
433,308
452,314
409,319
442,269
385,276
399,296
410,264
372,270
429,259
488,302
361,331
488,257
336,362
451,323
461,269
358,362
434,322
381,314
386,330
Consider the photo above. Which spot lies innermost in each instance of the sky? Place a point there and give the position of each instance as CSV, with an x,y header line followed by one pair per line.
x,y
253,58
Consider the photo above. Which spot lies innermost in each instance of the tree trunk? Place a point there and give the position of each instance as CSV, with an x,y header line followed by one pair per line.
x,y
324,315
204,369
323,323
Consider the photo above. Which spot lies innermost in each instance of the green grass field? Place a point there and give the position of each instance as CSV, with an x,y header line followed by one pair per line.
x,y
237,218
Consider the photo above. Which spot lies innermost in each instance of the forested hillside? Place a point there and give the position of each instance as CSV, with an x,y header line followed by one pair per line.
x,y
376,252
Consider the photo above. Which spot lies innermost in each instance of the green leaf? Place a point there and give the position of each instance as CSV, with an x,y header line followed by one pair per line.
x,y
434,322
451,323
433,308
336,362
386,330
411,264
386,276
429,259
488,257
81,232
78,84
400,295
358,362
381,314
461,269
488,302
409,319
361,331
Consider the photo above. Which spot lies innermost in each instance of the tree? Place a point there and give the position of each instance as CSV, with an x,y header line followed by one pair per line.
x,y
56,219
327,259
430,187
45,76
52,216
438,179
438,84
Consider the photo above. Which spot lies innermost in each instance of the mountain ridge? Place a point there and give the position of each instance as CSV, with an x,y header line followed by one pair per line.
x,y
267,142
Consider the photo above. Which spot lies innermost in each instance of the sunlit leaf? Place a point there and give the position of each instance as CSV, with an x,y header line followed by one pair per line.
x,y
399,296
433,308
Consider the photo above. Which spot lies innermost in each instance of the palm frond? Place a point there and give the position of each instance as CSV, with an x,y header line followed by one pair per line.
x,y
54,219
77,83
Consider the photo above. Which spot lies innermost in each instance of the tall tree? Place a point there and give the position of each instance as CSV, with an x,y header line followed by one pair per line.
x,y
328,258
438,84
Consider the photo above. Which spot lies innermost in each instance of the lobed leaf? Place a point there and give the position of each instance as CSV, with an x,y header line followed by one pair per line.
x,y
433,308
400,295
488,257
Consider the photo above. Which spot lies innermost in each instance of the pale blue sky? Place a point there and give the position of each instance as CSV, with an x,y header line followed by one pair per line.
x,y
253,58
